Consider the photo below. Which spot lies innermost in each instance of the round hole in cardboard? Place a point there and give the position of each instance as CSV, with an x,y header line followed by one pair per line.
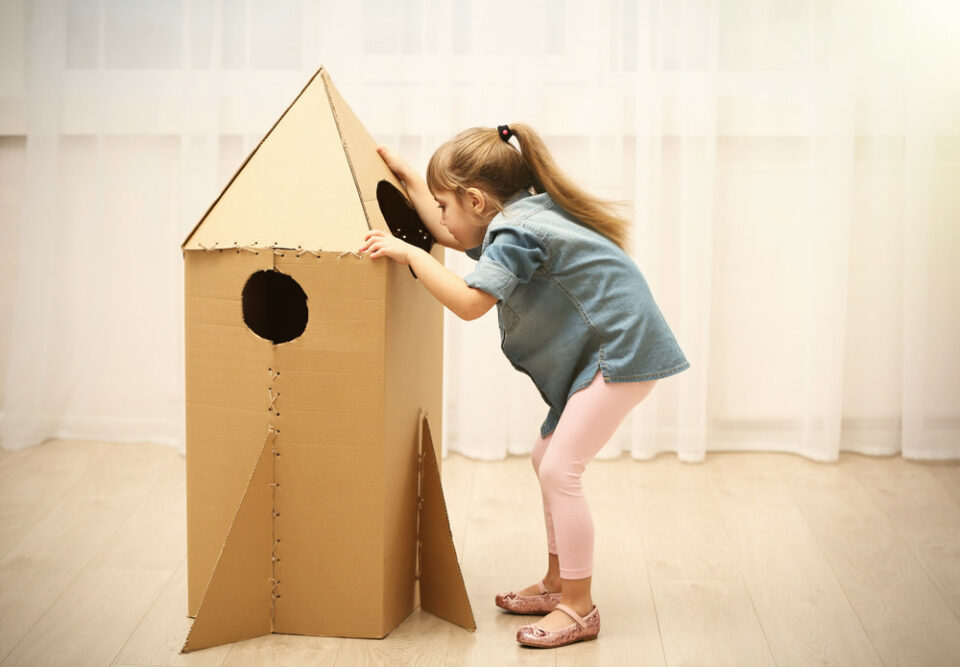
x,y
401,216
274,306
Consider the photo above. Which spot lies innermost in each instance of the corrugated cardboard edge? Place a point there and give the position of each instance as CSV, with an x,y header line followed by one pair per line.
x,y
442,591
249,157
220,619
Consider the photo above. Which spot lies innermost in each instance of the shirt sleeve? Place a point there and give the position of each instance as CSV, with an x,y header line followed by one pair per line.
x,y
474,253
512,257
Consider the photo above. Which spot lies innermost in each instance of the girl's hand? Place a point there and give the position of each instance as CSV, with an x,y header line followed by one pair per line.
x,y
381,243
397,164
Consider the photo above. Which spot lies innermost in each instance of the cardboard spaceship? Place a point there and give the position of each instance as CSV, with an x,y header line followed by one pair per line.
x,y
313,396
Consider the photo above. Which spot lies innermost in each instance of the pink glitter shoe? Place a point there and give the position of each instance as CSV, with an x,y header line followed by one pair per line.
x,y
543,603
585,629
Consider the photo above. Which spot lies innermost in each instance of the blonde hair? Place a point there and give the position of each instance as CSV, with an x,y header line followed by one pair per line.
x,y
477,157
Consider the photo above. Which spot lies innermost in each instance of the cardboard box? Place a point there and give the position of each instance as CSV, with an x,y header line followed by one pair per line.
x,y
313,385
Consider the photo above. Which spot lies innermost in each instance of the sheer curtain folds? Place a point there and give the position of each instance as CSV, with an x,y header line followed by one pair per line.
x,y
792,168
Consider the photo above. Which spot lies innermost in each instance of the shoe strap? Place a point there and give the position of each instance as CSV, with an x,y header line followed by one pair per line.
x,y
543,589
572,614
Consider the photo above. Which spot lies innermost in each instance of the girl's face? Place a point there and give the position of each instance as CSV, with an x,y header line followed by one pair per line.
x,y
465,217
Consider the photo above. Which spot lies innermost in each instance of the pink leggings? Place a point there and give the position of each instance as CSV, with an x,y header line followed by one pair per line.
x,y
588,420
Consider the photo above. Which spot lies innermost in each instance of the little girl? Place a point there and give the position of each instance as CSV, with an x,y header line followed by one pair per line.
x,y
575,314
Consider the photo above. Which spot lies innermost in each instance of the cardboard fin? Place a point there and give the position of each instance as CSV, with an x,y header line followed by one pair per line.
x,y
236,604
442,591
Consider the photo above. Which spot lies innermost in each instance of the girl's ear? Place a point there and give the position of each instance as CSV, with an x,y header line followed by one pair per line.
x,y
476,200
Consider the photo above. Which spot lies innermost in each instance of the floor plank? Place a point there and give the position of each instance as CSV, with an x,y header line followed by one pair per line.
x,y
923,514
161,632
33,480
44,562
805,615
93,619
895,600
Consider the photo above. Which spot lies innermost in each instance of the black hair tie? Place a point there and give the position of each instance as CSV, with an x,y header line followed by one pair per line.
x,y
505,132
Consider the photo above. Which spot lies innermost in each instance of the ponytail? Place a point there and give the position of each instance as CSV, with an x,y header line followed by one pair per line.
x,y
596,213
478,157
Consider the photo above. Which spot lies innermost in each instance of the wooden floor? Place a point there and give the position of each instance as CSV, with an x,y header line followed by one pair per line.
x,y
747,558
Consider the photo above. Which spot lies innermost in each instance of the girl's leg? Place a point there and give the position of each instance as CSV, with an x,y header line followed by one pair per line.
x,y
539,449
588,421
552,577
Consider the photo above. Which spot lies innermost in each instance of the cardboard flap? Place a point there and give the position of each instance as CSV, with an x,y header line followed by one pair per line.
x,y
442,591
237,602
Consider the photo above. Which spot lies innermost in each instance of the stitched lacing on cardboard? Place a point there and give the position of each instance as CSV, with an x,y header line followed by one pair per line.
x,y
275,432
274,558
255,248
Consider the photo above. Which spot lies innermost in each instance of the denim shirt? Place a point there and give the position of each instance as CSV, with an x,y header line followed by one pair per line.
x,y
570,302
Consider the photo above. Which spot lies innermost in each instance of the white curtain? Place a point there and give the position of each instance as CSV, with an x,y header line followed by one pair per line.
x,y
792,166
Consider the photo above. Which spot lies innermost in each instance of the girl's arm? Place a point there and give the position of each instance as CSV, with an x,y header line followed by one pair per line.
x,y
423,201
467,303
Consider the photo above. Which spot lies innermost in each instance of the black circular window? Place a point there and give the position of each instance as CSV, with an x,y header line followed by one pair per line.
x,y
274,306
401,217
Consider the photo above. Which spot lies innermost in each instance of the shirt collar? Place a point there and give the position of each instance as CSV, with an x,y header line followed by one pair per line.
x,y
522,194
512,200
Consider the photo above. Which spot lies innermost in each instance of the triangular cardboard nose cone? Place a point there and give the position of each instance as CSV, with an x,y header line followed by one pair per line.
x,y
310,183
